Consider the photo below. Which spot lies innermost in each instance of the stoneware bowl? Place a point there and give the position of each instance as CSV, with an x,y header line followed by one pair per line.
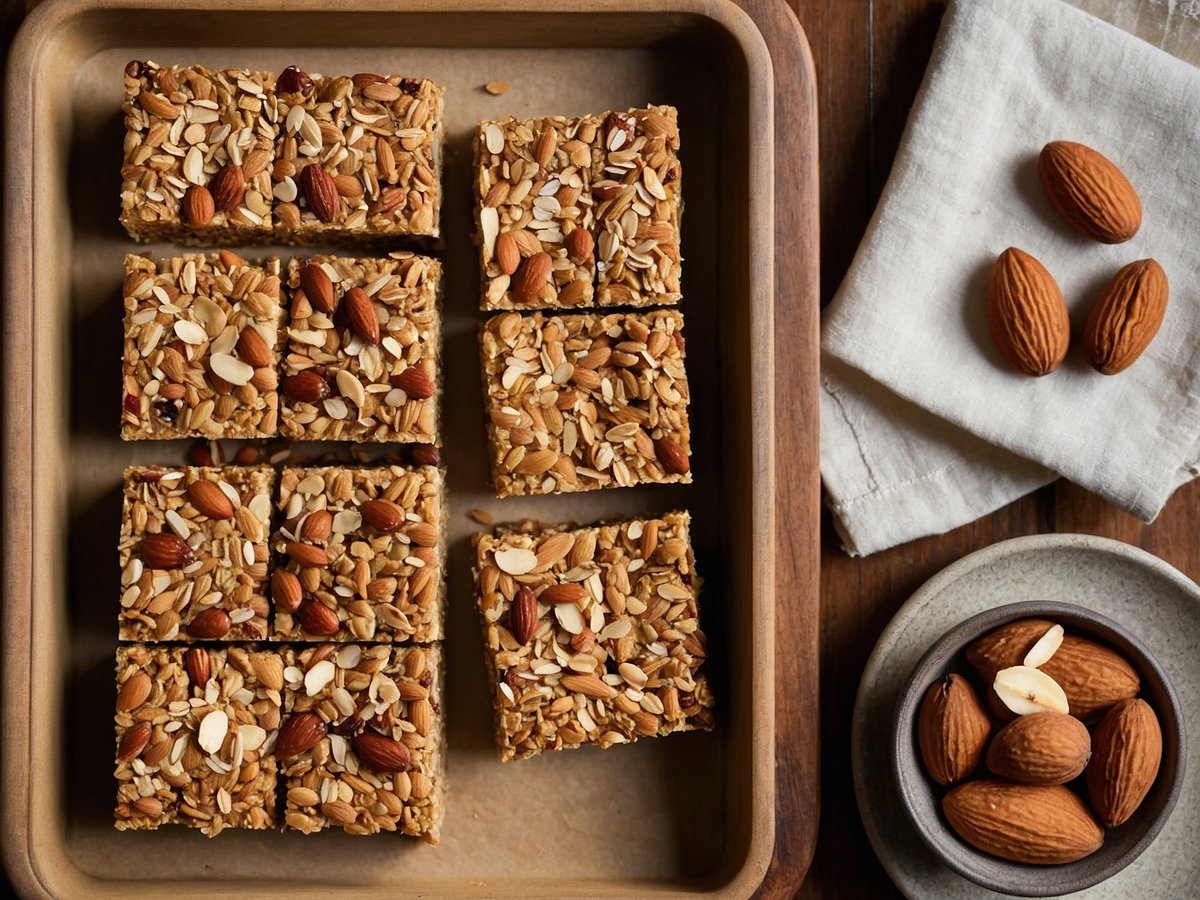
x,y
921,796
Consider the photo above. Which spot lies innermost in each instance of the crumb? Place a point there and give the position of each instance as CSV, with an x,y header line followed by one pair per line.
x,y
482,516
496,88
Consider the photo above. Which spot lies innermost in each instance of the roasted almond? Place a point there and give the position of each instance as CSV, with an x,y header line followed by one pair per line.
x,y
301,732
952,730
198,207
317,618
198,666
530,277
252,349
1126,317
579,244
307,554
294,80
1045,748
1026,314
166,551
424,455
380,753
1090,192
209,500
318,525
589,686
228,188
133,692
360,314
305,387
508,257
210,624
672,456
317,287
522,615
321,193
286,591
382,515
1126,754
133,741
415,383
563,593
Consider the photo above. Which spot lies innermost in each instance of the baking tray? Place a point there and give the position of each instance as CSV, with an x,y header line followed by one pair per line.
x,y
685,813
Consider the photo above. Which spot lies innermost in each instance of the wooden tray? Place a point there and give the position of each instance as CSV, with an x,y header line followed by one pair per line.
x,y
685,813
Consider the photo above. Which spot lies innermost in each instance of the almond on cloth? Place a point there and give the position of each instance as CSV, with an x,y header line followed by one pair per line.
x,y
1026,314
1126,317
1090,192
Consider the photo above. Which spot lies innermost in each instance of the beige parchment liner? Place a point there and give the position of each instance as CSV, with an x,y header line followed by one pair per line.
x,y
684,812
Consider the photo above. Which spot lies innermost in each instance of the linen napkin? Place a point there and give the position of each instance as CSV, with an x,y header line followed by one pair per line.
x,y
924,427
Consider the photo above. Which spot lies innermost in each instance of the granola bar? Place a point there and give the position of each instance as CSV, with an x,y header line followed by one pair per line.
x,y
534,211
362,358
193,553
580,402
362,744
591,635
374,145
200,354
195,731
361,555
199,147
636,190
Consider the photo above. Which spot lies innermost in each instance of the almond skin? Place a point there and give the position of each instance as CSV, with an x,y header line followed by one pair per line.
x,y
380,753
299,733
952,730
307,554
305,387
1039,824
228,188
252,349
318,525
1090,192
530,277
382,515
133,741
563,593
673,457
415,383
360,313
210,500
1026,314
1126,317
522,615
320,191
317,287
166,551
508,257
198,206
286,591
211,624
133,692
1128,752
317,618
1045,748
198,666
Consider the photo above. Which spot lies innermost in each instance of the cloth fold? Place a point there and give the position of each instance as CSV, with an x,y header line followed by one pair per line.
x,y
924,427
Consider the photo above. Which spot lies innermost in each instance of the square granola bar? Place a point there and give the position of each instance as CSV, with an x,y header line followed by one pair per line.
x,y
361,555
199,148
193,553
357,156
200,357
580,402
362,743
363,348
591,635
195,733
534,211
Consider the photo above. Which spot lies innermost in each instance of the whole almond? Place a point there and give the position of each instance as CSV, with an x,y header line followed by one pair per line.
x,y
1127,751
317,618
228,188
1026,314
530,277
158,105
301,732
166,551
589,686
286,591
198,206
133,741
198,666
1090,192
563,593
952,730
133,692
1126,317
317,287
380,753
579,244
360,314
305,387
210,624
320,192
1045,748
508,257
252,349
318,525
544,147
522,615
424,454
210,500
673,457
382,515
415,383
1039,824
294,80
307,554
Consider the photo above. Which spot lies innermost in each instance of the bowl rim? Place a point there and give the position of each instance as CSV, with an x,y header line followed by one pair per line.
x,y
973,864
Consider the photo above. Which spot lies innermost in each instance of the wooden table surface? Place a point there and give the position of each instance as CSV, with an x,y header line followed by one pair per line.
x,y
870,57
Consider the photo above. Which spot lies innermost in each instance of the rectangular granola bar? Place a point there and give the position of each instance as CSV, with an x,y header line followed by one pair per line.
x,y
373,144
362,744
199,148
591,635
362,555
193,553
580,402
195,730
200,353
576,213
363,347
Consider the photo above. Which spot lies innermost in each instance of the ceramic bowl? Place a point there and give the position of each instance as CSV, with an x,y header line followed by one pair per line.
x,y
921,796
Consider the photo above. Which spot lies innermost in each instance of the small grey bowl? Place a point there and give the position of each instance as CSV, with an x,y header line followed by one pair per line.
x,y
922,797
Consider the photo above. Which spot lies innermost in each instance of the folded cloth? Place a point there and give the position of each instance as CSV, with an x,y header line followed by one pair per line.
x,y
908,322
